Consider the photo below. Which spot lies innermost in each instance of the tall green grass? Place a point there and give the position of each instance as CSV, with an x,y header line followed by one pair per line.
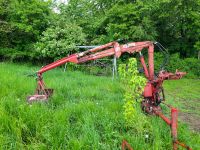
x,y
85,112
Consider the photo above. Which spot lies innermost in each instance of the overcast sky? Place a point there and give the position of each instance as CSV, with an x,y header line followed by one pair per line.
x,y
61,1
56,10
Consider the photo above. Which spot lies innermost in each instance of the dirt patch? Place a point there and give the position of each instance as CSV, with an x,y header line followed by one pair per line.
x,y
191,119
190,115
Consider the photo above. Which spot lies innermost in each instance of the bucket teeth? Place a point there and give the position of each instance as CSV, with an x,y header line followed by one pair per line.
x,y
37,98
40,96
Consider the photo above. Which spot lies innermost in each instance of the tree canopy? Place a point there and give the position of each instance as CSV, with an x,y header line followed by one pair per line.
x,y
25,23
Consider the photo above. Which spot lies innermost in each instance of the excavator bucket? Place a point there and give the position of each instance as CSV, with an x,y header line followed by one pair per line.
x,y
40,96
35,98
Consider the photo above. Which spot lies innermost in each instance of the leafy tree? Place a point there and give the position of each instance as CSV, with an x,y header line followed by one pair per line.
x,y
175,23
178,24
124,21
22,21
60,41
29,18
87,14
5,27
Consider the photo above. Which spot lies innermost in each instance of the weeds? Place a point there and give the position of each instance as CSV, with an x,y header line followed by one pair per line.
x,y
86,112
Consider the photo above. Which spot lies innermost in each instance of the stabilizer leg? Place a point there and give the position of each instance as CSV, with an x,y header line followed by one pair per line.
x,y
41,93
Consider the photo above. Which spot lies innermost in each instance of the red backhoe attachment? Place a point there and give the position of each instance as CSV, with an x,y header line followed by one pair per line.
x,y
153,93
111,49
153,89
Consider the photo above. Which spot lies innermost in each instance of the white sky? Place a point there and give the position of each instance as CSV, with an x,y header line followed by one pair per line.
x,y
61,1
56,10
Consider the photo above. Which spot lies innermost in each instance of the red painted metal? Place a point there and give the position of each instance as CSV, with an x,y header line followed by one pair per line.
x,y
173,123
183,145
174,115
151,64
98,55
144,66
148,90
126,145
71,58
163,75
167,120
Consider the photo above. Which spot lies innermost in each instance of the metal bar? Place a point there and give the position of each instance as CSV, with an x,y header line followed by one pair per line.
x,y
71,58
183,145
174,115
144,65
92,46
174,125
167,120
114,69
151,63
97,48
97,55
125,145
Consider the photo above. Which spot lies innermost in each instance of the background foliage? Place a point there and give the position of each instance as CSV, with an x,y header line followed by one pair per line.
x,y
44,30
59,41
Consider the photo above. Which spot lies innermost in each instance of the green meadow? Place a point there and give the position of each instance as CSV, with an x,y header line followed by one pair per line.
x,y
86,112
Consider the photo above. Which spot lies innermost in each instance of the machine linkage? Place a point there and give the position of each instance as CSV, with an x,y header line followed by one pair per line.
x,y
153,92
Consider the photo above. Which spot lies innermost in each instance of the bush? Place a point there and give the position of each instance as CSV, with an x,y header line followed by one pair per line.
x,y
192,67
59,41
189,65
134,85
25,53
13,54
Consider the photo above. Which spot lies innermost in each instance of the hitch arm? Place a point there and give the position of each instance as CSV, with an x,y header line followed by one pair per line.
x,y
71,58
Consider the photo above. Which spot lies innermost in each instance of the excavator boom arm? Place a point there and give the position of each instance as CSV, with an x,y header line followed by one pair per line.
x,y
71,58
152,91
110,49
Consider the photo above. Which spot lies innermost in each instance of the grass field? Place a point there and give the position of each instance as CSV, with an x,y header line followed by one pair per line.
x,y
86,112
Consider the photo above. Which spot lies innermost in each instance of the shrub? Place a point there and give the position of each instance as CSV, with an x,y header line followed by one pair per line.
x,y
13,54
134,85
192,67
189,65
60,41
